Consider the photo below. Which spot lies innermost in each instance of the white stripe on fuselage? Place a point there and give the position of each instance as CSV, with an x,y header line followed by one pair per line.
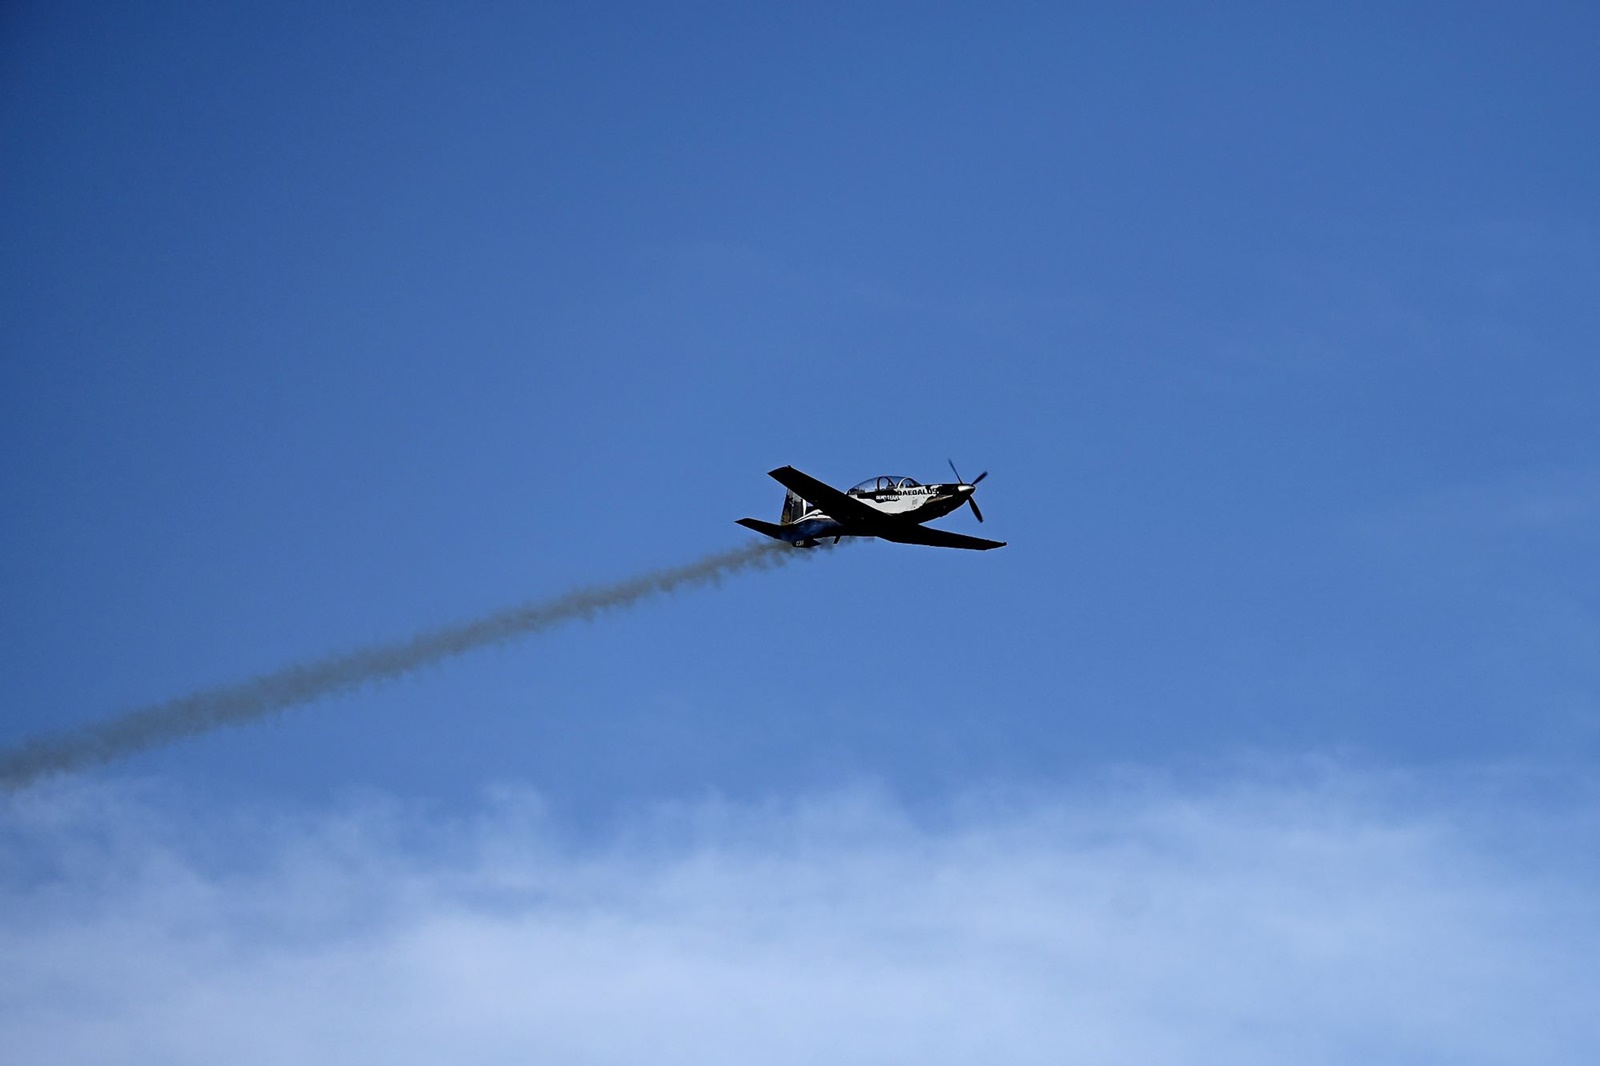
x,y
911,500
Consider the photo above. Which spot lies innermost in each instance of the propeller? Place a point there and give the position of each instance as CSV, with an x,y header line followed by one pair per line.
x,y
971,502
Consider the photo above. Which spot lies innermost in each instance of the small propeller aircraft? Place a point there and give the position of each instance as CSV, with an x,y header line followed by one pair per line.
x,y
889,508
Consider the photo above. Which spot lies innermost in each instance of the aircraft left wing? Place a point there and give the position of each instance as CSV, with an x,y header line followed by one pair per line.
x,y
836,504
937,538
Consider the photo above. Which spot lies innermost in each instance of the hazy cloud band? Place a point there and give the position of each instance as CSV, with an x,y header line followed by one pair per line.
x,y
1302,911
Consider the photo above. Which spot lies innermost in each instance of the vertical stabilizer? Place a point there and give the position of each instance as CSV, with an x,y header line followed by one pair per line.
x,y
793,508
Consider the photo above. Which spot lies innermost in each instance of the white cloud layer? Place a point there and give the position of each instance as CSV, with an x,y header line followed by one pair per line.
x,y
1341,916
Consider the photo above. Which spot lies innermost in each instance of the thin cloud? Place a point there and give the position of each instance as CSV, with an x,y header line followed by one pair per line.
x,y
1341,918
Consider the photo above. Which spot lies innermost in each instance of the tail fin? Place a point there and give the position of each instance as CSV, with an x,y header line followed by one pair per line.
x,y
793,508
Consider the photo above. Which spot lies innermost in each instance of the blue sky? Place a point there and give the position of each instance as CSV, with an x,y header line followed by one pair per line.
x,y
1275,326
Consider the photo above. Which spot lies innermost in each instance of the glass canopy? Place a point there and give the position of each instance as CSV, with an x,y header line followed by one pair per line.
x,y
882,484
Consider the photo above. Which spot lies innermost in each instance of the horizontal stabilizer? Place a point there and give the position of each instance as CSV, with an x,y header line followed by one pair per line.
x,y
771,529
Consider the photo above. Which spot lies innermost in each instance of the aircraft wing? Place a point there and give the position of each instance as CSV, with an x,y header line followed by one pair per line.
x,y
838,505
937,538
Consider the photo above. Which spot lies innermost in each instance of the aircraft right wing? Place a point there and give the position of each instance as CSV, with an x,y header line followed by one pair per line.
x,y
836,504
937,538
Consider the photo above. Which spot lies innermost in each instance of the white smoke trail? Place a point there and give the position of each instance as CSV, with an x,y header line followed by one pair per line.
x,y
304,682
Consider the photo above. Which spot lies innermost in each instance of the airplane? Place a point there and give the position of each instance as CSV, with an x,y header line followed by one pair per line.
x,y
889,508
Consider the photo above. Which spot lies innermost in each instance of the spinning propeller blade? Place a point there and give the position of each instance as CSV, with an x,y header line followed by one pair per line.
x,y
971,502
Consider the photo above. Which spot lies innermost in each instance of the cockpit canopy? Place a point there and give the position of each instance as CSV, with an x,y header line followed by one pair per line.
x,y
874,485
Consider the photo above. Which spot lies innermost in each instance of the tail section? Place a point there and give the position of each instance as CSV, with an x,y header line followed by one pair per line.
x,y
793,525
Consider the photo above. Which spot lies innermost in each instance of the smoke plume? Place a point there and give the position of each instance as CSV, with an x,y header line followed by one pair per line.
x,y
245,702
